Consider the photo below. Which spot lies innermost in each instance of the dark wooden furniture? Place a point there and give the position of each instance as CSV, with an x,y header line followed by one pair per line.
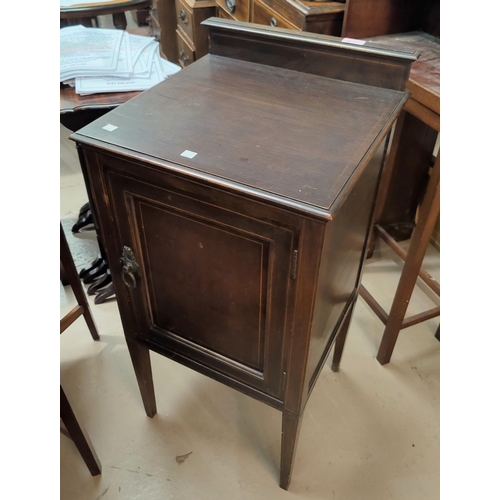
x,y
162,23
417,131
72,427
370,18
315,17
236,220
86,13
75,112
406,183
416,26
181,36
192,36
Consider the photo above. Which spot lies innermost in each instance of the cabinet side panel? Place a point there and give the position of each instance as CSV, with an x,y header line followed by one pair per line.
x,y
343,253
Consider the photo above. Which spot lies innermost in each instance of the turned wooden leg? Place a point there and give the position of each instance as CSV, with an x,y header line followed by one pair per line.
x,y
416,252
340,339
289,435
79,436
71,274
142,367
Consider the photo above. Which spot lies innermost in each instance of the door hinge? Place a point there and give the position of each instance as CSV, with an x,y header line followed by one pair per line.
x,y
294,264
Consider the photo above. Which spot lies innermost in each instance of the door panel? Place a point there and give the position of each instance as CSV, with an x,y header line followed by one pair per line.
x,y
211,283
208,284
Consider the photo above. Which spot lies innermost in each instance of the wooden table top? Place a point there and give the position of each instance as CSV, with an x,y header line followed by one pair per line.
x,y
424,81
102,8
295,135
71,102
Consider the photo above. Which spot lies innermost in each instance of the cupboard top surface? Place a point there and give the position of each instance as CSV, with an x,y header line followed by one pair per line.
x,y
295,135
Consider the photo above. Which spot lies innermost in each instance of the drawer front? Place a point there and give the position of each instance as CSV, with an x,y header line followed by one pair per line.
x,y
208,282
185,20
238,9
185,51
264,15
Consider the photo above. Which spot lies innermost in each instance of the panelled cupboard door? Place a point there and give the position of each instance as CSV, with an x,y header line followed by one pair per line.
x,y
207,281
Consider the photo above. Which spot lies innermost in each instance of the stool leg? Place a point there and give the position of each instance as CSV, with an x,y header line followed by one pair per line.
x,y
79,436
416,252
71,273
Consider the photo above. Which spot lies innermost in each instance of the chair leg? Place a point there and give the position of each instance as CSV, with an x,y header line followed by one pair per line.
x,y
416,252
79,436
71,273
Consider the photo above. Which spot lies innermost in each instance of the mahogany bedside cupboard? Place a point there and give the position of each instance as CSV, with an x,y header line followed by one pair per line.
x,y
234,201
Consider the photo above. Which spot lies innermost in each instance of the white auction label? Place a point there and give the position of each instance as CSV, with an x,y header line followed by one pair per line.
x,y
189,154
110,127
353,40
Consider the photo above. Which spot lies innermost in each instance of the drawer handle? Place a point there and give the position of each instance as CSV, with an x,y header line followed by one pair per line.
x,y
183,56
129,267
231,5
182,16
273,22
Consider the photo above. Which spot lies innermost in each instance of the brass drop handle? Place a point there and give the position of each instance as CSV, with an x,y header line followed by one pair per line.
x,y
183,56
182,16
273,22
129,267
231,5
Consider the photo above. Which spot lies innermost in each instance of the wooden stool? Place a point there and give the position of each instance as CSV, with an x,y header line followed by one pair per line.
x,y
84,14
395,320
422,110
72,428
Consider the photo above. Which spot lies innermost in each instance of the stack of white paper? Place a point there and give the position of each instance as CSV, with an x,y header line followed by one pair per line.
x,y
95,60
